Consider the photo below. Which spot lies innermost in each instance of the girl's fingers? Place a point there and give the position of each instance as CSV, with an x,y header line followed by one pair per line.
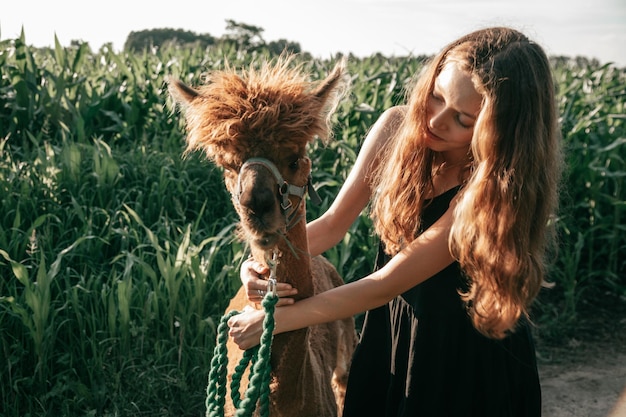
x,y
256,285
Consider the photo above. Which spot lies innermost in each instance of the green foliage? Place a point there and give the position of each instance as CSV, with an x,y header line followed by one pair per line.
x,y
590,267
117,255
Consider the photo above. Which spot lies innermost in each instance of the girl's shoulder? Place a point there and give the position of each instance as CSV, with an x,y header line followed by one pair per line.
x,y
395,113
390,120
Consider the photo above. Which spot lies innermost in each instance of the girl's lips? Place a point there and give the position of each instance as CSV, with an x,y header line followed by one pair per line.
x,y
432,136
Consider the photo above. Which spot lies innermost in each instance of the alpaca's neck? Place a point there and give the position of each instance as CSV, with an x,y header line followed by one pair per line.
x,y
294,264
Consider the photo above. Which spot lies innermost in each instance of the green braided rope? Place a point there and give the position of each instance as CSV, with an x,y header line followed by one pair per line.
x,y
216,388
261,371
249,356
260,374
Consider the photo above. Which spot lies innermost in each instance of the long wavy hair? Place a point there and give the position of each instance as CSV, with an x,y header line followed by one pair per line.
x,y
501,225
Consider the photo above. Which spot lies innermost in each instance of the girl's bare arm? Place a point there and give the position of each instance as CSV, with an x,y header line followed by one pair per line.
x,y
423,258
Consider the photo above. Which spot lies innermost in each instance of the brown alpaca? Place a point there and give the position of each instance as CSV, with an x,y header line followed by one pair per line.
x,y
273,113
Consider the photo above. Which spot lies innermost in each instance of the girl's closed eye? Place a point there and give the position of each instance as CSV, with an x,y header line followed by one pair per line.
x,y
436,97
463,123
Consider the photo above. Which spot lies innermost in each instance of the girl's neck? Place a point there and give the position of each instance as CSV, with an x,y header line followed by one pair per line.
x,y
447,175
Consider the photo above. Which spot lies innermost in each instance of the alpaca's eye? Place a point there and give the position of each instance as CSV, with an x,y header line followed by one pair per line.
x,y
294,164
229,168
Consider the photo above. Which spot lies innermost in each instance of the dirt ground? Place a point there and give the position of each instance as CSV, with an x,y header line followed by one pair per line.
x,y
586,376
593,386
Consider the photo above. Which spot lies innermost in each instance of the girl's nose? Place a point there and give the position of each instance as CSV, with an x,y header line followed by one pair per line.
x,y
437,120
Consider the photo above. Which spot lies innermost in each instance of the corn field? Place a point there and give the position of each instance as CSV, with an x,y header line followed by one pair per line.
x,y
117,254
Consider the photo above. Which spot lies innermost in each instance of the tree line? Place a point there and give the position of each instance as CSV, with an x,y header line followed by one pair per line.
x,y
242,36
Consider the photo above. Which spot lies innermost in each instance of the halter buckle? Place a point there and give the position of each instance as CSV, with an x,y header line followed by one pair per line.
x,y
271,281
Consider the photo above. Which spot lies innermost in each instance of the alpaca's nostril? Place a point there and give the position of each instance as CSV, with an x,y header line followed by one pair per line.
x,y
267,241
259,202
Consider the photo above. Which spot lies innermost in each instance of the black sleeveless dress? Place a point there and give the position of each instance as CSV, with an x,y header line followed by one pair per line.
x,y
420,355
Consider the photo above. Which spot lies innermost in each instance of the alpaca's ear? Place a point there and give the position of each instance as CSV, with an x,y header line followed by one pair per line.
x,y
333,87
336,83
181,92
330,91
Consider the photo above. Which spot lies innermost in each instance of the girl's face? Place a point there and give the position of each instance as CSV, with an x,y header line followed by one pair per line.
x,y
452,109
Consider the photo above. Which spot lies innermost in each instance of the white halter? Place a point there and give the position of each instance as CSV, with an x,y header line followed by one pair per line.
x,y
284,188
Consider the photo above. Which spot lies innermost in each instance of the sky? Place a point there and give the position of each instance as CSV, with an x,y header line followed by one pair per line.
x,y
593,29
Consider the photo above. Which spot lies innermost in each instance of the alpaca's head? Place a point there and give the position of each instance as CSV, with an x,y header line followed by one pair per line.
x,y
270,113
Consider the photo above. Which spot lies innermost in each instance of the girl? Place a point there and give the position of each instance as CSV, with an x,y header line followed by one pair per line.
x,y
464,181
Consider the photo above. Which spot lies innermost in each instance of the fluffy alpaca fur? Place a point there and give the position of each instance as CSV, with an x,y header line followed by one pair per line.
x,y
274,112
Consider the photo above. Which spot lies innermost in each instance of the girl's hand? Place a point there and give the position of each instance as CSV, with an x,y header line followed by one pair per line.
x,y
253,274
246,328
